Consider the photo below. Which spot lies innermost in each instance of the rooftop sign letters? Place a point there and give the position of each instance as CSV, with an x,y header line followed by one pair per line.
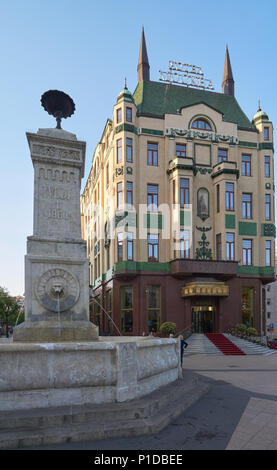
x,y
186,74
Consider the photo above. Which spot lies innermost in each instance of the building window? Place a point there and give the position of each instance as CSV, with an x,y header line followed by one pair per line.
x,y
129,195
266,133
222,155
184,191
119,196
96,311
247,306
108,257
129,150
126,301
109,310
118,115
268,252
229,189
267,166
107,174
230,246
247,252
217,198
180,150
119,151
173,191
152,154
267,207
218,247
201,124
184,244
129,115
120,246
153,304
153,247
130,246
246,165
246,206
152,197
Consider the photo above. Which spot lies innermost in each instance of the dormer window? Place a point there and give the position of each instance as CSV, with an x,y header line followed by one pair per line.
x,y
201,124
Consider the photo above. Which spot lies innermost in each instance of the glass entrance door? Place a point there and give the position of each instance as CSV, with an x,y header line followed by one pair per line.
x,y
203,319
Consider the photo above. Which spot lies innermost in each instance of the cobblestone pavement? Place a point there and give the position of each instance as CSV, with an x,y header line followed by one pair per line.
x,y
239,411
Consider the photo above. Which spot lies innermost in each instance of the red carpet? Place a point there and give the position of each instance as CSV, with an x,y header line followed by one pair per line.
x,y
225,345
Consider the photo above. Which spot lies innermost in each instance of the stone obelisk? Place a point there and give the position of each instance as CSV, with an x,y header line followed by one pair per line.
x,y
56,264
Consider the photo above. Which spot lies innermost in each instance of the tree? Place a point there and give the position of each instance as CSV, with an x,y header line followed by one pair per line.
x,y
9,309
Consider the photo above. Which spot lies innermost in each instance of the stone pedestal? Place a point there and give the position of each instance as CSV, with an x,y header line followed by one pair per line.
x,y
56,264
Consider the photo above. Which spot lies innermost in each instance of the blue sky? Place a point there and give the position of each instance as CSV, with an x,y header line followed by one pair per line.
x,y
86,48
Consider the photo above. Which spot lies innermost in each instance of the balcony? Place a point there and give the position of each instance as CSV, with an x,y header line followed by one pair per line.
x,y
225,167
180,163
223,270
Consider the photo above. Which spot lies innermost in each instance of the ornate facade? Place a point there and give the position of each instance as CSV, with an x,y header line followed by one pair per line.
x,y
191,237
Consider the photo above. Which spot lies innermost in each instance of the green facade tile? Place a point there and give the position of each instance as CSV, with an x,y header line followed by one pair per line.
x,y
266,146
256,270
268,230
153,221
141,266
185,218
125,219
248,228
126,127
152,132
248,144
230,221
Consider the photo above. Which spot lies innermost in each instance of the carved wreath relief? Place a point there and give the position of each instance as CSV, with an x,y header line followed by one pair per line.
x,y
57,290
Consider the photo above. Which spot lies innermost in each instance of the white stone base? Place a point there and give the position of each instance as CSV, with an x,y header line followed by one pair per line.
x,y
110,370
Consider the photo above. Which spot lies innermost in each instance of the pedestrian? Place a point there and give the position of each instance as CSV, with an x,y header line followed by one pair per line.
x,y
183,345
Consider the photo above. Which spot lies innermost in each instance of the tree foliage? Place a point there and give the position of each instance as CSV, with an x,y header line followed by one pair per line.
x,y
9,308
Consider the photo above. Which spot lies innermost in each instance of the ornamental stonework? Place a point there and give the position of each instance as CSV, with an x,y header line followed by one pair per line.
x,y
211,136
57,290
55,152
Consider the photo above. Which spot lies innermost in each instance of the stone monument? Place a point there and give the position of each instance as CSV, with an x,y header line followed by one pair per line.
x,y
56,265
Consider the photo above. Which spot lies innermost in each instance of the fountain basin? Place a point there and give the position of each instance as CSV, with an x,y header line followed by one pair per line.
x,y
112,369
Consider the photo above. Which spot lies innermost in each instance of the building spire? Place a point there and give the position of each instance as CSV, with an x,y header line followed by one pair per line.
x,y
228,84
143,64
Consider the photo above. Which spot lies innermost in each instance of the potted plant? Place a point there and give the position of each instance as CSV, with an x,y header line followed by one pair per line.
x,y
168,328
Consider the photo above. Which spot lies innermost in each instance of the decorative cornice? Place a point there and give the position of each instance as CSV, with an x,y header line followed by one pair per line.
x,y
210,136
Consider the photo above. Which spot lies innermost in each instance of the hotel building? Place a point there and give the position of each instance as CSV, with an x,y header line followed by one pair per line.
x,y
191,238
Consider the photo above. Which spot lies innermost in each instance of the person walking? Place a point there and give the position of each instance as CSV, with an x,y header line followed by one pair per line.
x,y
183,345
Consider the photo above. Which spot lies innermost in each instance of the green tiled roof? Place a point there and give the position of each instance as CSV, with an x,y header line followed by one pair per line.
x,y
155,98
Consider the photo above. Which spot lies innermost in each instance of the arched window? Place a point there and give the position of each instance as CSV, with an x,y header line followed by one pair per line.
x,y
202,124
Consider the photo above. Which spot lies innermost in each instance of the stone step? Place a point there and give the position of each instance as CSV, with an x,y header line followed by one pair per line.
x,y
147,415
42,417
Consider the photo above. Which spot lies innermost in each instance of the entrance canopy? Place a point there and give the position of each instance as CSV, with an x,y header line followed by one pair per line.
x,y
205,288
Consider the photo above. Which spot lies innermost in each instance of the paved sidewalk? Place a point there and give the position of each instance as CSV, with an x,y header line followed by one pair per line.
x,y
257,429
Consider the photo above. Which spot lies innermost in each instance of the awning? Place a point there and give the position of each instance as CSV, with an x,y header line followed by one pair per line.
x,y
218,289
